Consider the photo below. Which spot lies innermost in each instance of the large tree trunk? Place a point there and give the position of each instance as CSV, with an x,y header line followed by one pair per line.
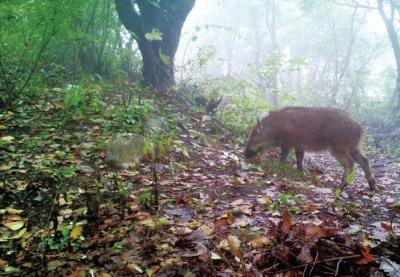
x,y
156,72
156,28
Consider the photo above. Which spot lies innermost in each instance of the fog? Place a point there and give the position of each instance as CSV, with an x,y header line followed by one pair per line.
x,y
321,50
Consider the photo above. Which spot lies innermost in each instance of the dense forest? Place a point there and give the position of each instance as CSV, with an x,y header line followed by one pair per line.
x,y
200,138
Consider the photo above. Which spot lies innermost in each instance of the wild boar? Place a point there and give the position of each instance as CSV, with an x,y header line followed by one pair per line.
x,y
311,129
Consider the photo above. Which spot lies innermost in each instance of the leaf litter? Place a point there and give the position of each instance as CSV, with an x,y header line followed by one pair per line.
x,y
220,216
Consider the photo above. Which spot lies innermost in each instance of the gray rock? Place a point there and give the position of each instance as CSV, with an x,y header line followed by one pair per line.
x,y
125,150
154,122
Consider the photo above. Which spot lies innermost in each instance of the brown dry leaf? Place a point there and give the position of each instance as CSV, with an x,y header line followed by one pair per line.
x,y
311,207
3,263
230,217
259,242
234,245
313,233
265,200
286,221
305,255
387,227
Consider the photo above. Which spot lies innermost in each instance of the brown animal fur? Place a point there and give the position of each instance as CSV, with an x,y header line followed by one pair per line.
x,y
312,129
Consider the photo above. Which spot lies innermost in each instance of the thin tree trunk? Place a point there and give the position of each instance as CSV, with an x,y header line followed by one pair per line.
x,y
394,39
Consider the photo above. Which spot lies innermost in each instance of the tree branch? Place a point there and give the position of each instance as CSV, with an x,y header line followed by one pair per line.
x,y
129,17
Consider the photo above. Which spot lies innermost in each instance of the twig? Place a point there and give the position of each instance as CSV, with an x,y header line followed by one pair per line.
x,y
337,267
315,260
318,262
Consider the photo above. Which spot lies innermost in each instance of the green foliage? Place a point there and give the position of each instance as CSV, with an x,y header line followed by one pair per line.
x,y
83,100
131,118
282,169
146,199
243,104
285,200
80,38
74,99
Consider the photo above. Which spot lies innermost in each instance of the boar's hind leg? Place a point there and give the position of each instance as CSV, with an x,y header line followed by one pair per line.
x,y
348,164
299,159
364,163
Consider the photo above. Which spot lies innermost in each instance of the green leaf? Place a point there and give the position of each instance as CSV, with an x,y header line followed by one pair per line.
x,y
155,34
69,172
65,231
350,177
164,58
338,193
283,198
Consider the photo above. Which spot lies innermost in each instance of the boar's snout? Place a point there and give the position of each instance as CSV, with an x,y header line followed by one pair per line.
x,y
248,153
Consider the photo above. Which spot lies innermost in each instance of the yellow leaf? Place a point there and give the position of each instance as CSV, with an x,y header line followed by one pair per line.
x,y
19,234
8,166
7,138
134,267
234,245
14,211
103,274
59,106
265,200
14,225
206,230
193,225
76,232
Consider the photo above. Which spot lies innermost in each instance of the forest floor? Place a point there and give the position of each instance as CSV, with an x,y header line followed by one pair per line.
x,y
218,215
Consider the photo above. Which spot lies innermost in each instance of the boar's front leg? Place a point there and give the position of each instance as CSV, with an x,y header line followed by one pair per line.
x,y
284,154
299,159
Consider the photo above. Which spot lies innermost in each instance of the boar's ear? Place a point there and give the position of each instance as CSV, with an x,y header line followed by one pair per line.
x,y
258,120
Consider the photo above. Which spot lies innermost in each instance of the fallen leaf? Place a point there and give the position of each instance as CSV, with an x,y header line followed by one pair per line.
x,y
305,255
234,245
313,233
7,138
215,256
76,232
14,211
206,230
367,257
387,227
134,267
3,263
265,200
286,222
259,242
14,225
